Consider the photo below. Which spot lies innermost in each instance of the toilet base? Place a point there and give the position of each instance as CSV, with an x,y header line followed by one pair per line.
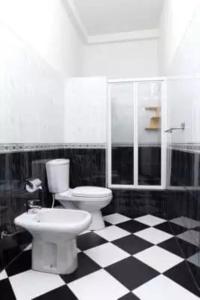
x,y
97,220
58,257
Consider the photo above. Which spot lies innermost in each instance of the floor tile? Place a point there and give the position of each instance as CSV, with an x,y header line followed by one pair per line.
x,y
182,276
9,248
116,218
106,254
190,236
132,244
3,275
179,247
107,224
131,272
195,272
197,228
6,292
150,220
129,296
61,293
153,235
84,232
85,266
132,226
158,258
20,264
185,222
132,258
98,285
162,288
31,284
112,233
195,259
89,240
171,228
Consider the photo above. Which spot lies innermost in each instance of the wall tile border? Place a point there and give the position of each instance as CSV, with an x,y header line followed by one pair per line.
x,y
26,147
185,147
20,147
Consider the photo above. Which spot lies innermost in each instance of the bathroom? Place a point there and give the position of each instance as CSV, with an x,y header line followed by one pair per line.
x,y
108,91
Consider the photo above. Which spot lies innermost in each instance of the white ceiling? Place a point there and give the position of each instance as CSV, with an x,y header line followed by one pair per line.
x,y
114,16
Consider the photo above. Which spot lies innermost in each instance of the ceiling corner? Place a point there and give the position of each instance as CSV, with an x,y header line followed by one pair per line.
x,y
72,10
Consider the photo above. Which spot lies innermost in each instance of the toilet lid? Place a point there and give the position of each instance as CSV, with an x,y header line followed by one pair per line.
x,y
91,192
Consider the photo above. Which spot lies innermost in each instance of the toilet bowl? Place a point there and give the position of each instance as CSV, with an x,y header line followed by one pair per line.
x,y
89,198
54,234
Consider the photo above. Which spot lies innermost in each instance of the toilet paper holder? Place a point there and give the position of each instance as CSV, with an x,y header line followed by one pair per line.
x,y
33,184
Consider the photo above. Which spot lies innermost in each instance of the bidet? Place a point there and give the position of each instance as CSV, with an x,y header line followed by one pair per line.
x,y
54,234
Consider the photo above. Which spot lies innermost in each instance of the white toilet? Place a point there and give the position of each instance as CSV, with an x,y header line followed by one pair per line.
x,y
54,234
89,198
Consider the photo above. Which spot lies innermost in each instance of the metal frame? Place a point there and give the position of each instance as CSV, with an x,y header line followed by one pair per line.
x,y
135,185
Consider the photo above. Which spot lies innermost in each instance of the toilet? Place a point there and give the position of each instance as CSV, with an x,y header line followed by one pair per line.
x,y
89,198
54,234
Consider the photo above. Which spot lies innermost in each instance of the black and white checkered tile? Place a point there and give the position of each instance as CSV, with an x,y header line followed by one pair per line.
x,y
129,259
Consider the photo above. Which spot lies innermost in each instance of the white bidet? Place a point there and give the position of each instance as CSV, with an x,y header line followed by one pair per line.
x,y
54,234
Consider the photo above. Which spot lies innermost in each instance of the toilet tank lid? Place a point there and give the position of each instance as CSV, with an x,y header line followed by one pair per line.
x,y
91,191
58,161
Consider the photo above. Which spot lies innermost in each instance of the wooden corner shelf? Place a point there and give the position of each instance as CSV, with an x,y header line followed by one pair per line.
x,y
152,128
154,120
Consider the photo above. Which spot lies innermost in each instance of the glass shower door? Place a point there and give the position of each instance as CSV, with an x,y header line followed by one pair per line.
x,y
149,132
122,133
136,142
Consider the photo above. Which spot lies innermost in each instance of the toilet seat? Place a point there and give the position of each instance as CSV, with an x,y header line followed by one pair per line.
x,y
91,192
85,193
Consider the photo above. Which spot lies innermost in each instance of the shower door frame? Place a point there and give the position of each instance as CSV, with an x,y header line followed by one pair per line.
x,y
163,126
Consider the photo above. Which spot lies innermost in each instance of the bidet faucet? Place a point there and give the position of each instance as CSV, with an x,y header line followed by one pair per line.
x,y
33,206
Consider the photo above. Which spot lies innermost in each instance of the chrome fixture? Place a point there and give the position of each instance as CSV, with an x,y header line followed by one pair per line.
x,y
33,206
33,185
170,130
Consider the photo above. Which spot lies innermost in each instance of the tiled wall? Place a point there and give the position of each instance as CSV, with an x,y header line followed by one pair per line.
x,y
149,164
30,88
185,168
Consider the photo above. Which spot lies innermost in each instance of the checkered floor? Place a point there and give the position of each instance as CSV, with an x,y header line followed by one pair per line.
x,y
129,259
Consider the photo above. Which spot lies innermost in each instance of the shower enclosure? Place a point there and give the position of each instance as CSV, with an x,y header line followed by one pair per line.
x,y
154,144
137,116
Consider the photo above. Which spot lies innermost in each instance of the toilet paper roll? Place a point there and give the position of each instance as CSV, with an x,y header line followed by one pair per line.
x,y
33,185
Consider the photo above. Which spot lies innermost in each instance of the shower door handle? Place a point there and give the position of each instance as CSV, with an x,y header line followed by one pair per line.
x,y
170,130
